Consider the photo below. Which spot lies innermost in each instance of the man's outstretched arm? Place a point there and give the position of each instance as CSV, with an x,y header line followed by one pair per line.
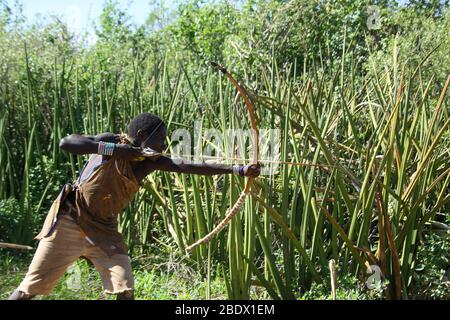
x,y
183,166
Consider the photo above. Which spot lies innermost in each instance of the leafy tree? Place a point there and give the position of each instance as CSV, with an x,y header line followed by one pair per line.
x,y
202,28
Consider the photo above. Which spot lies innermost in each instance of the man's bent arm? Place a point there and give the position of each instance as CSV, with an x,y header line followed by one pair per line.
x,y
80,144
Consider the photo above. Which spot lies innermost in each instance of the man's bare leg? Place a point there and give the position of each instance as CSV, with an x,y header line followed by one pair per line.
x,y
19,295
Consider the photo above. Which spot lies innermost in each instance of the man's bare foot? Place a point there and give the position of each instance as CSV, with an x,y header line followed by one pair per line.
x,y
19,295
126,295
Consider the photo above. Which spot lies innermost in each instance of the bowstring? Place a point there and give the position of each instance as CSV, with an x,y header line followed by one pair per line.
x,y
166,154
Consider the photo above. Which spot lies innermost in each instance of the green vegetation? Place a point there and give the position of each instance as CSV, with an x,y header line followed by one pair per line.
x,y
371,104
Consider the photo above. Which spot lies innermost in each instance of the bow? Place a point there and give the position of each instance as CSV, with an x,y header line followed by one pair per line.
x,y
237,206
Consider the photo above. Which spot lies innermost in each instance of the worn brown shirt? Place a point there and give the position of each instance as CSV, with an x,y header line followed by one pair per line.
x,y
98,200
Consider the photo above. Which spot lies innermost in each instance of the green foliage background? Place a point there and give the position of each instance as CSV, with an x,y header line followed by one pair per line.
x,y
52,83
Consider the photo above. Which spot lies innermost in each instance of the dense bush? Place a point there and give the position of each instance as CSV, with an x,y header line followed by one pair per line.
x,y
431,279
10,217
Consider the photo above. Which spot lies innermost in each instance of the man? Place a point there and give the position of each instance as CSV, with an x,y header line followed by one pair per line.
x,y
82,221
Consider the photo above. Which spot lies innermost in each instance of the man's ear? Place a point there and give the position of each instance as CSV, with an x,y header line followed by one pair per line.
x,y
136,141
140,134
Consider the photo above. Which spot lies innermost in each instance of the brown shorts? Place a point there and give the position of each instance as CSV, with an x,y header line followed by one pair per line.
x,y
56,253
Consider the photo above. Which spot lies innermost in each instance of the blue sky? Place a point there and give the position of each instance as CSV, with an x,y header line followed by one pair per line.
x,y
81,13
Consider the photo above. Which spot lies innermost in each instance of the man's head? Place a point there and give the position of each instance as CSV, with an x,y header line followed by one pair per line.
x,y
148,131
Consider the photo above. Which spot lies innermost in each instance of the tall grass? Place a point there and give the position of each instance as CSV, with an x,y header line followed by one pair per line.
x,y
384,138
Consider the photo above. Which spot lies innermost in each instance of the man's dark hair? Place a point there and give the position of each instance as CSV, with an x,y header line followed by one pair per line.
x,y
147,122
